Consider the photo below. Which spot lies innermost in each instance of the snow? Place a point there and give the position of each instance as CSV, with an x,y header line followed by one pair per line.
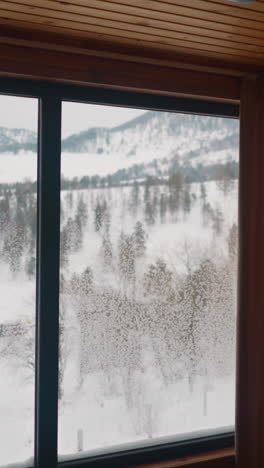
x,y
91,408
17,416
124,399
176,415
173,411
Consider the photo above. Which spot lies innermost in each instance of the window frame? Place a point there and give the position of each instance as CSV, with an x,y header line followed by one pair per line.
x,y
51,96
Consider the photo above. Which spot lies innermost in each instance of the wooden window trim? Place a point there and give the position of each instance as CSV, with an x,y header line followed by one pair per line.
x,y
91,70
250,370
217,459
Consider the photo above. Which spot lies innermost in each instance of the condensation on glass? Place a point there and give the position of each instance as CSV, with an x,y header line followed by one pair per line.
x,y
149,242
18,174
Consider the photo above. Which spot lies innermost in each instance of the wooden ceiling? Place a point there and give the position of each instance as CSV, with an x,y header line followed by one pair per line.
x,y
204,30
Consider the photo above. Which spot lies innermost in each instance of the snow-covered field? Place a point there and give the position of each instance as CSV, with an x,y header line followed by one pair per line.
x,y
107,407
148,295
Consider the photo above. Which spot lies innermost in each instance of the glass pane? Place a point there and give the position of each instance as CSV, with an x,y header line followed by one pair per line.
x,y
148,276
18,174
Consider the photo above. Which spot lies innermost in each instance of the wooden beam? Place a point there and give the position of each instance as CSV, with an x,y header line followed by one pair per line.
x,y
250,364
113,73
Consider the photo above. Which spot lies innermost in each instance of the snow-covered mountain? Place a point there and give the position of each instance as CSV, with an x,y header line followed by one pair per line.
x,y
153,144
162,134
17,139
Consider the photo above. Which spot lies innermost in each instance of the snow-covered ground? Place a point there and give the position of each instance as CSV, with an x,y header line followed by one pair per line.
x,y
96,410
142,383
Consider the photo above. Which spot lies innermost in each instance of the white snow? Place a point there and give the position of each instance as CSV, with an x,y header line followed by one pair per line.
x,y
98,408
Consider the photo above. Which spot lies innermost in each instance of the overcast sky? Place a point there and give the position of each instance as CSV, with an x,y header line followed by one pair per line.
x,y
17,112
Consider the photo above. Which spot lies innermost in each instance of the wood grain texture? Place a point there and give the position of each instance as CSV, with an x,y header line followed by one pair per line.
x,y
250,365
116,40
138,19
77,24
218,459
67,67
216,29
126,51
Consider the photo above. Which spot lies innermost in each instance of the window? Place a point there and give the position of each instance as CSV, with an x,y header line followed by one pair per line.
x,y
18,174
106,346
148,276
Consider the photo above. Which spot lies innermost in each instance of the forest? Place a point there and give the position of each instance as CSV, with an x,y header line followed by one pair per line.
x,y
129,312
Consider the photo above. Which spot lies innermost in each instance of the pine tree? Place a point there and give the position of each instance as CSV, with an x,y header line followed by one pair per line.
x,y
126,259
175,184
5,211
158,280
134,197
64,248
207,212
139,236
147,189
69,199
176,181
13,248
232,242
32,225
31,267
218,221
150,212
163,208
70,228
81,211
86,283
78,238
203,193
186,202
21,224
106,218
102,216
107,251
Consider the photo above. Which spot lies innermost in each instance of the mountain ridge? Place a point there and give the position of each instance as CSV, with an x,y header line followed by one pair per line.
x,y
154,143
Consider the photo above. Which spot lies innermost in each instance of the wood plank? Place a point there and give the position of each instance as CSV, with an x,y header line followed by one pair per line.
x,y
97,71
250,375
128,51
102,9
125,33
182,14
182,52
222,8
219,459
256,6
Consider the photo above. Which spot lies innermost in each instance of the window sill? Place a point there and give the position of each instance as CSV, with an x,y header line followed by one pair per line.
x,y
217,459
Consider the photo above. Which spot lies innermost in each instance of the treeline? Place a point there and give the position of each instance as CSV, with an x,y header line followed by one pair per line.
x,y
150,202
138,173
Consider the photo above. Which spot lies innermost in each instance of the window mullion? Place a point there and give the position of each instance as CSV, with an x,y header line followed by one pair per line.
x,y
47,330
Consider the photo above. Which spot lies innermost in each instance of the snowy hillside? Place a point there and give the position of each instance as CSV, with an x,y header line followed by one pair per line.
x,y
17,139
162,134
153,144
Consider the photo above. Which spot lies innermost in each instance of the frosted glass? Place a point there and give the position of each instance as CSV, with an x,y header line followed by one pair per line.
x,y
18,174
148,277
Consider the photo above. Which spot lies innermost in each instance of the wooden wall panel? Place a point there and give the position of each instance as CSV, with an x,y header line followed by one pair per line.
x,y
250,365
88,70
205,28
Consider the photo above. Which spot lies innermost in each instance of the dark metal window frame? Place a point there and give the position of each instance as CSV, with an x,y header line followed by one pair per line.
x,y
50,97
